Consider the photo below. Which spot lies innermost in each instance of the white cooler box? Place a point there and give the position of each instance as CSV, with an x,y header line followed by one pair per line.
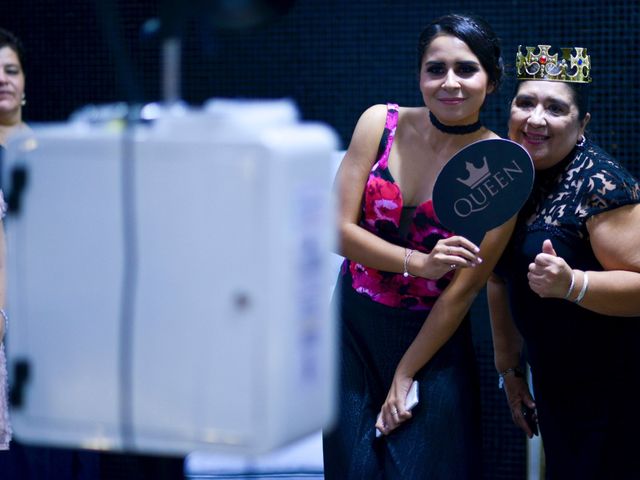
x,y
167,288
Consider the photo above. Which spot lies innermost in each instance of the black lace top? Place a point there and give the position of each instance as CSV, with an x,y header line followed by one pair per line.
x,y
586,183
556,331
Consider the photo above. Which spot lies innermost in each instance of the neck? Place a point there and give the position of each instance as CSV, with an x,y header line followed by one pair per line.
x,y
8,126
454,129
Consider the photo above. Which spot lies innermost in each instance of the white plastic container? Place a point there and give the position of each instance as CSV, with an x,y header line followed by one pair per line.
x,y
167,286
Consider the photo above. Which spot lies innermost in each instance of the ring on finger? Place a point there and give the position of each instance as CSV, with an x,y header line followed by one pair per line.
x,y
394,412
452,267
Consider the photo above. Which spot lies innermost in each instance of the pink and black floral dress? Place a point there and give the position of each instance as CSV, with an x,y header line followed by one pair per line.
x,y
380,315
418,228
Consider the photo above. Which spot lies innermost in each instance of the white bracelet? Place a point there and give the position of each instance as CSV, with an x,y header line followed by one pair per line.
x,y
583,290
571,285
407,255
5,317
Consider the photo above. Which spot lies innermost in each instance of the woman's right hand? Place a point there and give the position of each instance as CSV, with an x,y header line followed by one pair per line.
x,y
518,394
393,411
448,254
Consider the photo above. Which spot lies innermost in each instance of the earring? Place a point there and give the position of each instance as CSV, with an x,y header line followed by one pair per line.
x,y
23,102
581,141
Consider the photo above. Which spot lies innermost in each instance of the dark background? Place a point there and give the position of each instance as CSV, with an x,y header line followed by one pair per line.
x,y
334,58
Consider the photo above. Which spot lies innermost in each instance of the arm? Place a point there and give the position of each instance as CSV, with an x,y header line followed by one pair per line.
x,y
442,322
362,246
507,345
2,278
507,342
614,291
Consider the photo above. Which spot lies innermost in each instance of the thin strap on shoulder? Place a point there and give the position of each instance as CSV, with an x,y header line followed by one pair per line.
x,y
388,135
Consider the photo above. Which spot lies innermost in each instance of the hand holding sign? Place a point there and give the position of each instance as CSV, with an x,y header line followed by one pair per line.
x,y
449,254
482,186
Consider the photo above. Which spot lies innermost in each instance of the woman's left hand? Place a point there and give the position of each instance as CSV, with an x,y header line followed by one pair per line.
x,y
518,395
393,411
549,275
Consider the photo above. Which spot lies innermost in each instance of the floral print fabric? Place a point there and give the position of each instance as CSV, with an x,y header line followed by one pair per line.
x,y
382,206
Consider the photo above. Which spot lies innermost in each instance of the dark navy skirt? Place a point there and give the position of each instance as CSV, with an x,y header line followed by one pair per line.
x,y
442,440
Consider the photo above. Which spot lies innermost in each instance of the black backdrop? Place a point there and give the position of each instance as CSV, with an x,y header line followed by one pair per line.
x,y
334,58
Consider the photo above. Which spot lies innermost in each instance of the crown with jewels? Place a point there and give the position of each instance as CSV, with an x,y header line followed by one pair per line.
x,y
476,175
541,65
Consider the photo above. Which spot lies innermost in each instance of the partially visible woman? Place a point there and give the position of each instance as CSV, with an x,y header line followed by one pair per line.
x,y
408,282
5,426
11,102
569,281
12,83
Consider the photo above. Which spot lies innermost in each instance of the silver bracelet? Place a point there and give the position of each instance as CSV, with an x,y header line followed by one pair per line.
x,y
571,285
583,290
407,255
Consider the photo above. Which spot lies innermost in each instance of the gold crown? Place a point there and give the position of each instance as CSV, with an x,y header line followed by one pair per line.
x,y
544,66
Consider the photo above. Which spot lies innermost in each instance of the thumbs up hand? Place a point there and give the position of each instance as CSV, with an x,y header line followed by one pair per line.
x,y
549,275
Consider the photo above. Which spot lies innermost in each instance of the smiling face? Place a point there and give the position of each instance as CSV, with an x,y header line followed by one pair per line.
x,y
11,84
452,81
545,120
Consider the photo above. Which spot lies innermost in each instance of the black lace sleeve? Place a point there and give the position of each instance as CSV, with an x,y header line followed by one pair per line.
x,y
605,185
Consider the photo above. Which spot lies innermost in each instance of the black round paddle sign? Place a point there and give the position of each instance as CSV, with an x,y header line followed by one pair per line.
x,y
482,186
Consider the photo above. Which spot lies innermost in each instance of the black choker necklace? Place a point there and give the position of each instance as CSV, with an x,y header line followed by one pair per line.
x,y
454,129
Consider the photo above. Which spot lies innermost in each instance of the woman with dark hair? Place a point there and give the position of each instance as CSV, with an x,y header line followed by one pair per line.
x,y
5,427
12,82
11,97
407,282
566,291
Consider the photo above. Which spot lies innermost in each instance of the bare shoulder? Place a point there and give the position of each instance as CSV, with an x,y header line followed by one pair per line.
x,y
373,116
412,115
366,138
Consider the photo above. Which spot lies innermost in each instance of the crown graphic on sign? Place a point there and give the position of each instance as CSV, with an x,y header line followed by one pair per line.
x,y
476,175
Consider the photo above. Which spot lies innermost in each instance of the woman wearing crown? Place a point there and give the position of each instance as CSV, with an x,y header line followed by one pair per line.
x,y
566,292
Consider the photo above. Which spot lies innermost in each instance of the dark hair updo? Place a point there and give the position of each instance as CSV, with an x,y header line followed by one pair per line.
x,y
476,33
8,39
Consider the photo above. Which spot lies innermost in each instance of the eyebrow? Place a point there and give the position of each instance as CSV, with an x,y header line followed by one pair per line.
x,y
524,96
460,62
